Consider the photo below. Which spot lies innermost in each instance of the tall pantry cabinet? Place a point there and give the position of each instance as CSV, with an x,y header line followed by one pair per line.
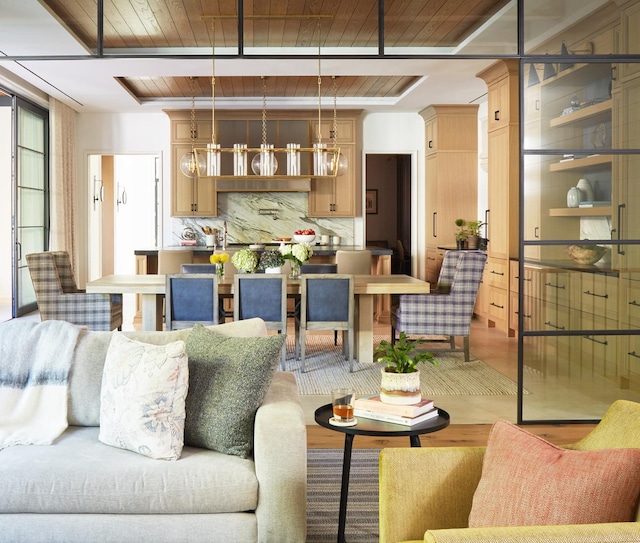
x,y
451,177
503,193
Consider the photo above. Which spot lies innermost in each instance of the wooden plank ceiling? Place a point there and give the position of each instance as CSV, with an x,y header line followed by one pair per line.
x,y
163,26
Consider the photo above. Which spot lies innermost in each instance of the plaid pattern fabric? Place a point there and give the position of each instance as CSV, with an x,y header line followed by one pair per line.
x,y
444,314
59,298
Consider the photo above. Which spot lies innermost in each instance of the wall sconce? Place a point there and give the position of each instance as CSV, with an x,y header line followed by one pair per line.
x,y
122,197
98,191
533,78
565,51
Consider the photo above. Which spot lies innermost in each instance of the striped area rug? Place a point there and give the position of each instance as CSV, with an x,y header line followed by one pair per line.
x,y
324,475
327,369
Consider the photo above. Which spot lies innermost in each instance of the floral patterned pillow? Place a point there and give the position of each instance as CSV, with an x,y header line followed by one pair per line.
x,y
143,397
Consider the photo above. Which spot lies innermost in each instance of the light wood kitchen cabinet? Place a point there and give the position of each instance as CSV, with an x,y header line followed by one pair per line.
x,y
451,176
195,197
335,197
503,187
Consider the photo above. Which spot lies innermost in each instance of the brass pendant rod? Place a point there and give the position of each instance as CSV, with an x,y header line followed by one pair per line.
x,y
264,109
213,81
319,133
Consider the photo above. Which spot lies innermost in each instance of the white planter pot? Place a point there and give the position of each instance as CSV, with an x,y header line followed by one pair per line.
x,y
400,388
273,270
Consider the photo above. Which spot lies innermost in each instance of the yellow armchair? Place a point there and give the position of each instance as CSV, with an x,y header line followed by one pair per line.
x,y
426,493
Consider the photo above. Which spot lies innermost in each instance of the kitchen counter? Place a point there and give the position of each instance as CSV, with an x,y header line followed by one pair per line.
x,y
320,250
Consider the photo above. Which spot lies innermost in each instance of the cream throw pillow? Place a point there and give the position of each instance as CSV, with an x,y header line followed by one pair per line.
x,y
143,397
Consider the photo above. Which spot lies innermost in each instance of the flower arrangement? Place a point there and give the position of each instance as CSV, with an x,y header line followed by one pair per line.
x,y
219,260
298,253
270,259
245,260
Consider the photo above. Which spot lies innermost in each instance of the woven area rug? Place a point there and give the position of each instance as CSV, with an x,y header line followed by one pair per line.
x,y
324,473
327,369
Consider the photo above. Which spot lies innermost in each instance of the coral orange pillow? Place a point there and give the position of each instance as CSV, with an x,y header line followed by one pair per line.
x,y
528,481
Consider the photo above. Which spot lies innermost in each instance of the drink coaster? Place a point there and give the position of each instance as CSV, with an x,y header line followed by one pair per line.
x,y
336,422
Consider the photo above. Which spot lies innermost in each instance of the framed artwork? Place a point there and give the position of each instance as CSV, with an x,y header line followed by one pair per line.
x,y
371,201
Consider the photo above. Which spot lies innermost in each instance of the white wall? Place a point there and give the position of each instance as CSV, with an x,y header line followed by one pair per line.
x,y
124,133
5,203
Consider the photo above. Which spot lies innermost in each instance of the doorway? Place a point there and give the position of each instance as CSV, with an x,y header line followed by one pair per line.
x,y
124,215
388,206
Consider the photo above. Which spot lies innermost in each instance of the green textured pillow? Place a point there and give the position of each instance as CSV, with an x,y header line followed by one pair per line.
x,y
529,481
228,381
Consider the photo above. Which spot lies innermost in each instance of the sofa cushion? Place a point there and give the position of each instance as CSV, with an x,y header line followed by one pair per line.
x,y
143,396
85,379
528,481
78,474
229,378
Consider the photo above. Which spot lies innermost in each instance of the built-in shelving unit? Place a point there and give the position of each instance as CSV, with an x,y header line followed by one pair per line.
x,y
581,164
600,211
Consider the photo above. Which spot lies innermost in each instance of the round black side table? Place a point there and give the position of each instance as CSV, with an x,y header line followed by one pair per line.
x,y
369,427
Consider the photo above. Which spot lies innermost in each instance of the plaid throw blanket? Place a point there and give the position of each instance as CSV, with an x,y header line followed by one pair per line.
x,y
35,359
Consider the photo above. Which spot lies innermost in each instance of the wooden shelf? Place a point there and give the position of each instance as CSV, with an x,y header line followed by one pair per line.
x,y
600,211
587,163
587,115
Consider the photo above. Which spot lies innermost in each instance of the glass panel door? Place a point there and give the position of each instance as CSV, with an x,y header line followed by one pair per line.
x,y
30,197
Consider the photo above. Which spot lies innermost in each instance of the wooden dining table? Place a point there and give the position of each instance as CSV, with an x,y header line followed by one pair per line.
x,y
151,289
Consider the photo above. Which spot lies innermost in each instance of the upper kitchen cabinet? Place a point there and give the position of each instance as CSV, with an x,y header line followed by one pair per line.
x,y
191,197
451,175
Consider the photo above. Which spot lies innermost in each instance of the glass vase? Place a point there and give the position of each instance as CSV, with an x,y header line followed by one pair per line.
x,y
220,271
295,271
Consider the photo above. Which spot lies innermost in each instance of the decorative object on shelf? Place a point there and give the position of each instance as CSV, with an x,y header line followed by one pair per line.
x,y
306,235
298,254
599,136
400,377
585,254
473,233
192,163
219,259
245,260
574,197
270,260
461,234
587,190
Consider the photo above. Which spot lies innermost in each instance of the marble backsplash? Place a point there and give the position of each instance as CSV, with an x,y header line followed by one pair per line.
x,y
254,217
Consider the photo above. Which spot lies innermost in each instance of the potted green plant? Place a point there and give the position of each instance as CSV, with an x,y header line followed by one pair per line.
x,y
400,383
271,261
473,233
461,234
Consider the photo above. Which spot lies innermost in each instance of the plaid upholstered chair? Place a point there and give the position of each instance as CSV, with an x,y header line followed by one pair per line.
x,y
59,298
448,310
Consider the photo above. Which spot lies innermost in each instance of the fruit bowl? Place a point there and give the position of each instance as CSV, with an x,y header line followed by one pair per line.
x,y
585,254
300,238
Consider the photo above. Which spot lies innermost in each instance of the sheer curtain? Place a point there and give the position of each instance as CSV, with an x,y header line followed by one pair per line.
x,y
63,178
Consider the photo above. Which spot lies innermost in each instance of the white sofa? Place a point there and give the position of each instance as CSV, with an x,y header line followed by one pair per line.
x,y
81,490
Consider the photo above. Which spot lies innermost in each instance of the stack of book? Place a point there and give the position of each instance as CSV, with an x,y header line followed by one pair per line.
x,y
372,407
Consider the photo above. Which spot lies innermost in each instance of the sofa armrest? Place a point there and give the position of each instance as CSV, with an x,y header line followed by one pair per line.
x,y
280,455
425,489
620,532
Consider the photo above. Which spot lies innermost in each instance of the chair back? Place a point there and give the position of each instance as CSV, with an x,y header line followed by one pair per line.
x,y
191,298
169,261
354,262
262,295
448,270
327,302
198,268
319,268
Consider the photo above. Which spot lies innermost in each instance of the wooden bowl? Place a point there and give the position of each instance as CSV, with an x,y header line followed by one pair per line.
x,y
585,254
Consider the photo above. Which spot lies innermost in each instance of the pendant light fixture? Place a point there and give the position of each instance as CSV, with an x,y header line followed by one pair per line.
x,y
191,163
213,148
265,162
342,163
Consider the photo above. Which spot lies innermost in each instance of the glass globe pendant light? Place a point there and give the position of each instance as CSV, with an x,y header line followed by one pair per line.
x,y
191,163
265,163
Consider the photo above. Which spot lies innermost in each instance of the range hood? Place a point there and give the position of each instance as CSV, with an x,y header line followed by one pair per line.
x,y
263,184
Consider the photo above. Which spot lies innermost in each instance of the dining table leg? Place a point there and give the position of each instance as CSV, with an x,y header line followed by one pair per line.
x,y
364,328
152,311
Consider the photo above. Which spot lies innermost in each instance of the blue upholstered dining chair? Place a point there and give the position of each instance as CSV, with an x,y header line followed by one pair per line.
x,y
191,298
225,312
448,310
327,303
59,298
262,295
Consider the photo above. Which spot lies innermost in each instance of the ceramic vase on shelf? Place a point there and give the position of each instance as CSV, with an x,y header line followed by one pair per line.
x,y
472,242
574,197
586,190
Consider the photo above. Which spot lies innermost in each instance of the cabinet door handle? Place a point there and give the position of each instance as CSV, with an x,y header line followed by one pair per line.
x,y
634,303
430,144
536,232
589,293
496,305
600,342
527,279
619,229
549,323
537,105
614,70
486,223
496,115
496,273
434,223
554,286
634,354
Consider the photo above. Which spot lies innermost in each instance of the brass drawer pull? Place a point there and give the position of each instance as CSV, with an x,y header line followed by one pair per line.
x,y
549,323
588,292
554,286
605,342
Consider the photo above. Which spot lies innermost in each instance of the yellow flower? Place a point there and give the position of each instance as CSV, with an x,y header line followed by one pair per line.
x,y
219,258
